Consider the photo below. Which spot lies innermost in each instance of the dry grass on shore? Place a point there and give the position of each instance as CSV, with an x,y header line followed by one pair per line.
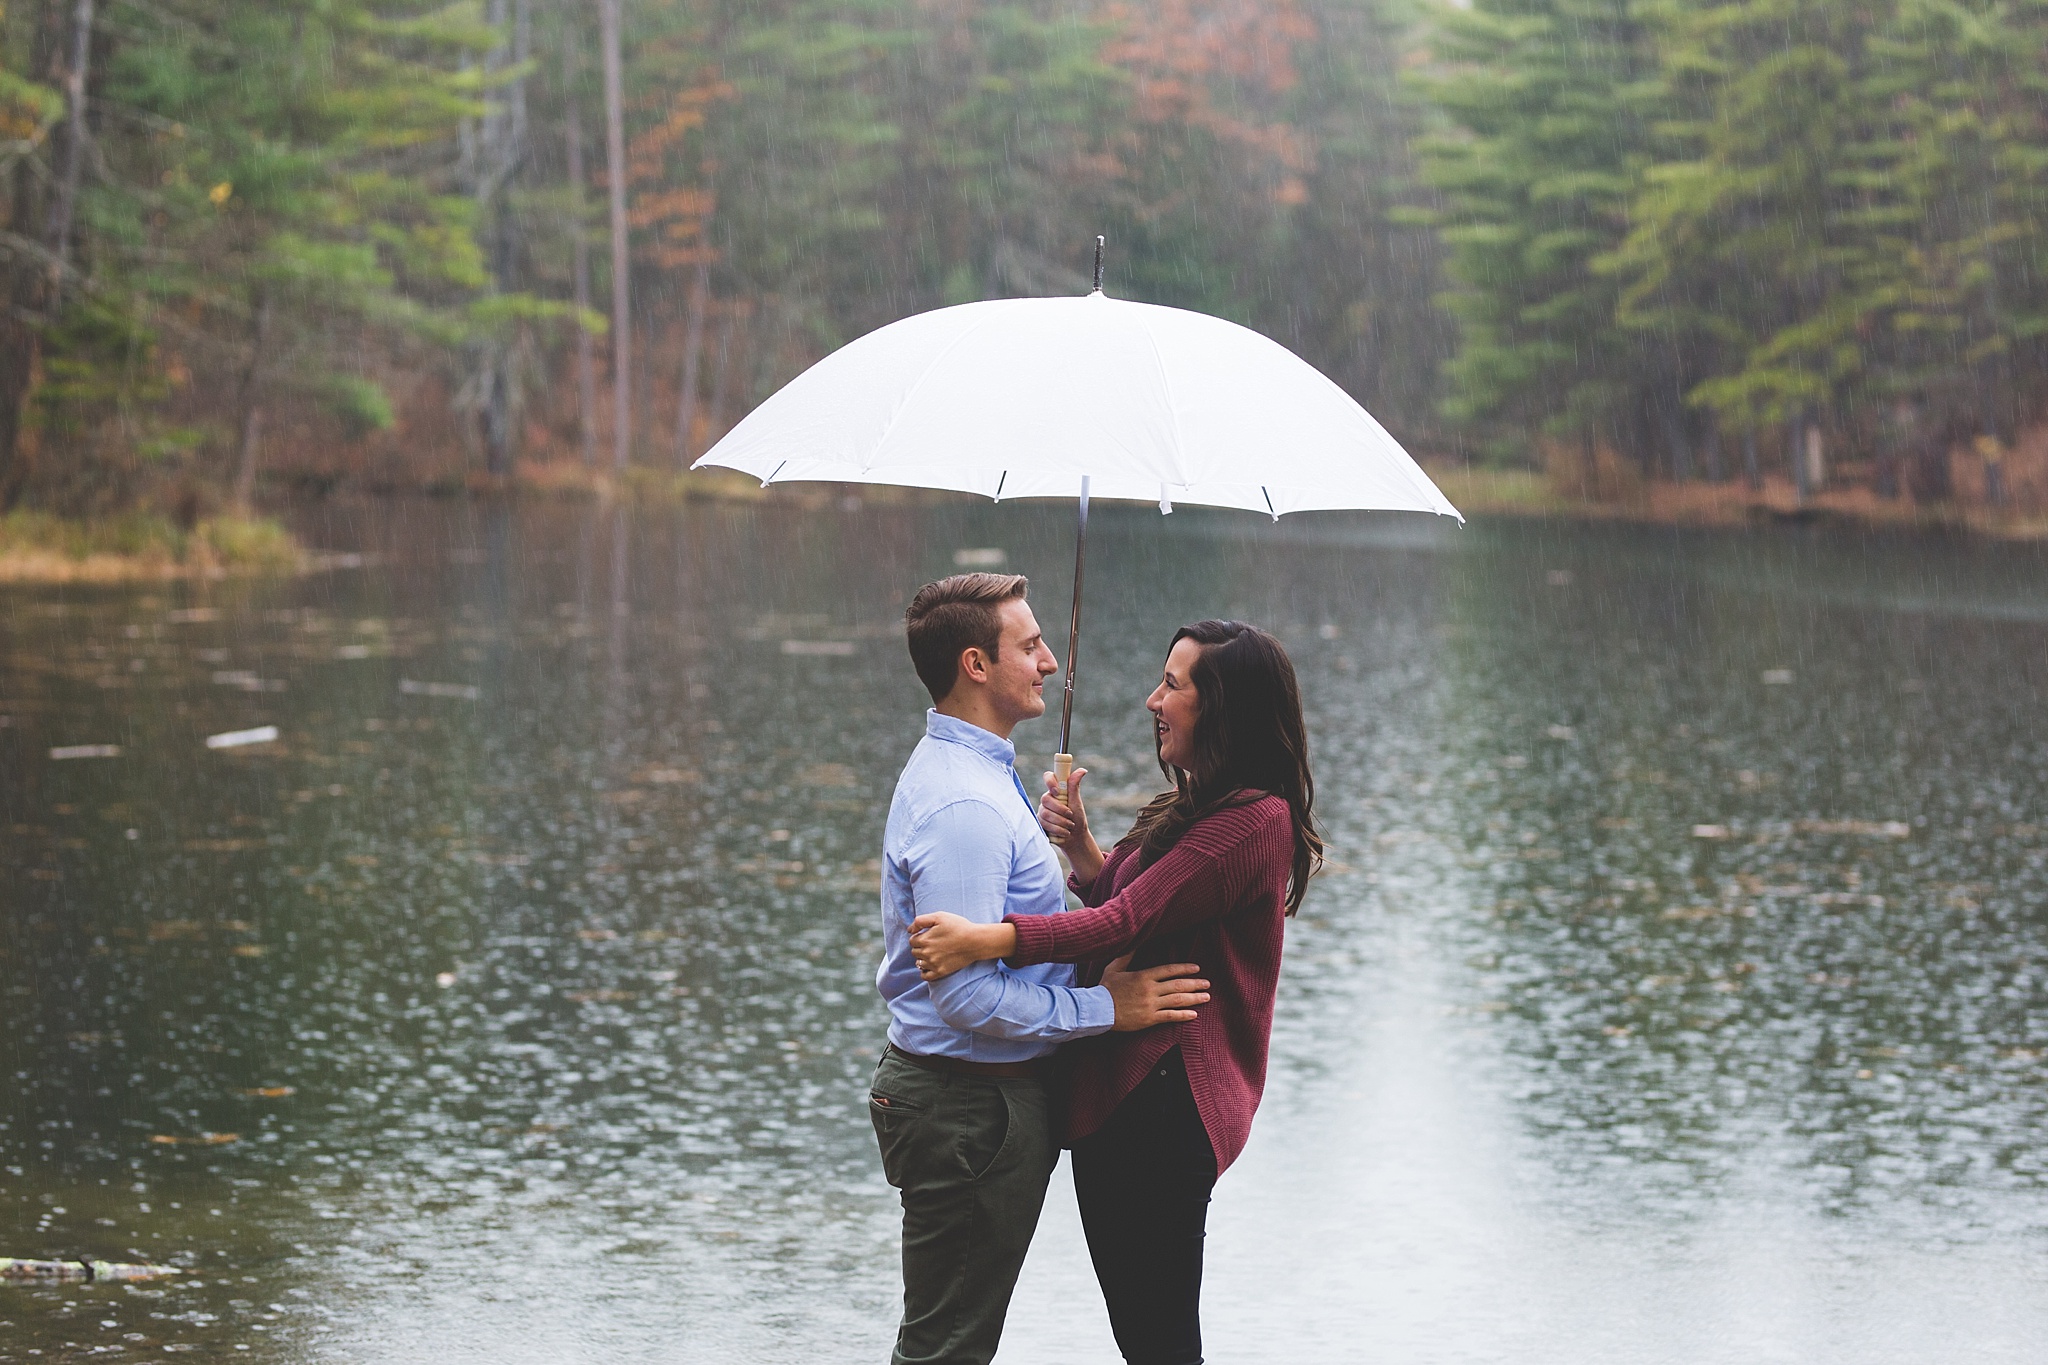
x,y
36,547
1527,493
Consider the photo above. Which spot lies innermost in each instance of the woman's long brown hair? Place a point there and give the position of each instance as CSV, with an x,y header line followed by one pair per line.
x,y
1249,741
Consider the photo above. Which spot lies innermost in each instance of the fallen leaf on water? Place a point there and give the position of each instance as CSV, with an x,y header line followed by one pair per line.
x,y
828,775
1710,831
271,1092
176,928
203,1140
606,997
249,950
597,935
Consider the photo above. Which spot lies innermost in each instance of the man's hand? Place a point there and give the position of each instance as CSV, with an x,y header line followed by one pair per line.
x,y
1156,995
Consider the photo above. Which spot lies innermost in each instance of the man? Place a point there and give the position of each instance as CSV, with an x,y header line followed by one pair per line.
x,y
959,1098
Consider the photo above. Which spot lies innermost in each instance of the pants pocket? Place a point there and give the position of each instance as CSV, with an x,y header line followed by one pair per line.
x,y
985,1128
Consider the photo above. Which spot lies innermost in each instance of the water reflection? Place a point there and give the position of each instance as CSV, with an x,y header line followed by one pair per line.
x,y
1676,992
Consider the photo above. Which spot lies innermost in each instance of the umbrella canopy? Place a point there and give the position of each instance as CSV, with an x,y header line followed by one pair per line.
x,y
1023,398
1036,398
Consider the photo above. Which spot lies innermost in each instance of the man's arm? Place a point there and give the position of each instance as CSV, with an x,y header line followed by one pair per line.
x,y
960,861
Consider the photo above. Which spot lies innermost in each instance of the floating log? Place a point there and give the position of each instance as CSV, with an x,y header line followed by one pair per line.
x,y
17,1270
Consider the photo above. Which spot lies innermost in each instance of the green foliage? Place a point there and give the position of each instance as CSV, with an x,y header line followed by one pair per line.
x,y
1772,211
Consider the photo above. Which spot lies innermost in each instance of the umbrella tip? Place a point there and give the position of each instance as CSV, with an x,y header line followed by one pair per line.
x,y
1098,263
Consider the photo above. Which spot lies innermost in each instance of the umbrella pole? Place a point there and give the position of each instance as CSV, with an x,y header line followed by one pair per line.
x,y
1063,761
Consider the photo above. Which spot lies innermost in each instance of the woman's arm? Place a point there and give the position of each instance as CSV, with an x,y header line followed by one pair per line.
x,y
942,944
1203,877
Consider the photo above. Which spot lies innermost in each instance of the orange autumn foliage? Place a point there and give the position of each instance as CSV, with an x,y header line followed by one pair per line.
x,y
1220,66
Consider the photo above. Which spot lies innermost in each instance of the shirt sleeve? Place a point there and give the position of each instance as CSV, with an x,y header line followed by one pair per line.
x,y
959,862
1203,877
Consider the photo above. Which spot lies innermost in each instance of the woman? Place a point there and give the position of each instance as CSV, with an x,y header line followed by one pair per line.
x,y
1206,875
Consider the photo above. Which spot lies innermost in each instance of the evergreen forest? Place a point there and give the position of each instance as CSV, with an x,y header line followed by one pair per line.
x,y
254,245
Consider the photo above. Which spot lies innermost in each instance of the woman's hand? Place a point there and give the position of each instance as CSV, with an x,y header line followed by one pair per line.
x,y
942,944
1066,824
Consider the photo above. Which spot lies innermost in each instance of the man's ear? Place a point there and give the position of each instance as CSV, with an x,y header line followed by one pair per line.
x,y
974,664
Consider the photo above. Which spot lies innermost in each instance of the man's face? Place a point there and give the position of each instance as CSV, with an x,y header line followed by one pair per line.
x,y
1016,676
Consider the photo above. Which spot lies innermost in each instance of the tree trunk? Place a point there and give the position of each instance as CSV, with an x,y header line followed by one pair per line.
x,y
615,174
70,161
1795,451
586,371
1752,469
693,346
715,414
252,411
62,50
1716,473
503,151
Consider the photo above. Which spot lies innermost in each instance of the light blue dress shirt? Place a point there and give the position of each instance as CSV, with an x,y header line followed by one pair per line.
x,y
962,837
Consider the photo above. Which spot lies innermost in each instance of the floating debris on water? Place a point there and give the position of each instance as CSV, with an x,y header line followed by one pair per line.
x,y
1561,732
203,1140
1710,831
86,751
1777,677
17,1269
828,775
1881,829
235,739
352,652
453,691
824,649
246,680
271,1092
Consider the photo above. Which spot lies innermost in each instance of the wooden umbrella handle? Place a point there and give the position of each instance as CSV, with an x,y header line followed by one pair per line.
x,y
1063,773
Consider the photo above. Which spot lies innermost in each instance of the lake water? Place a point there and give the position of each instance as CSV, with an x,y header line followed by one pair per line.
x,y
1679,990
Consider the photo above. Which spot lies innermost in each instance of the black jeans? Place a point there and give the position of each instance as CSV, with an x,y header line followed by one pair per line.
x,y
1143,1182
971,1156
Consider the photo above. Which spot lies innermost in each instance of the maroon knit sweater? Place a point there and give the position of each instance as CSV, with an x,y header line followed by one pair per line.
x,y
1217,898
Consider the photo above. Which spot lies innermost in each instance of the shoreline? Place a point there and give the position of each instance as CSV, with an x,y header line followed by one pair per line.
x,y
133,548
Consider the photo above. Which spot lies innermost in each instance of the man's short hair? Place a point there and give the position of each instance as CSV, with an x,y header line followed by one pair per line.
x,y
952,615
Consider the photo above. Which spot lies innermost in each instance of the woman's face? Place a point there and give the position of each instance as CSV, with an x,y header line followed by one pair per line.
x,y
1173,705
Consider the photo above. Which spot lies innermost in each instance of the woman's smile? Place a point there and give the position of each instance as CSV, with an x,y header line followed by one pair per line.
x,y
1174,705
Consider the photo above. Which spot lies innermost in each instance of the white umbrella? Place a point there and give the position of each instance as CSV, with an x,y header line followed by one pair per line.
x,y
1068,397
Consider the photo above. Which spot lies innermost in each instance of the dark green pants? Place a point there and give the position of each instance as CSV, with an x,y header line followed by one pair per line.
x,y
971,1156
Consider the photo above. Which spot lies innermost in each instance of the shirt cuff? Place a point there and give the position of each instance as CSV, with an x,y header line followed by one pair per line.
x,y
1098,1010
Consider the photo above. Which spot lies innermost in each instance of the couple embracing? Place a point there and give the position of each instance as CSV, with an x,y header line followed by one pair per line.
x,y
1156,995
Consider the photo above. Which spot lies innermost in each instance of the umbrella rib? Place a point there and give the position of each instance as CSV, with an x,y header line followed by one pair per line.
x,y
999,486
1166,386
1269,501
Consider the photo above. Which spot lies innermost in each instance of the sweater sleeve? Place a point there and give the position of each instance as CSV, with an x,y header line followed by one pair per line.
x,y
1203,877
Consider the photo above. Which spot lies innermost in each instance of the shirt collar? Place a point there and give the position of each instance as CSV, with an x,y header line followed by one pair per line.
x,y
983,742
